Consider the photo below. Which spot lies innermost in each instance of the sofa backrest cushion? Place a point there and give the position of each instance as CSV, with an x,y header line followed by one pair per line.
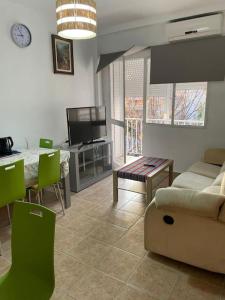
x,y
205,169
212,189
190,202
214,156
222,168
222,187
219,179
222,191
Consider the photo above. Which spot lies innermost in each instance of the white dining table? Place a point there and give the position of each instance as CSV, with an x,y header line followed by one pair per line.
x,y
31,162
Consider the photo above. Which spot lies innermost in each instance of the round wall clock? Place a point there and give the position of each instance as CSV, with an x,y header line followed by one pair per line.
x,y
21,35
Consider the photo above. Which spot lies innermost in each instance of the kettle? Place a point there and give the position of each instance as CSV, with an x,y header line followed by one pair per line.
x,y
6,145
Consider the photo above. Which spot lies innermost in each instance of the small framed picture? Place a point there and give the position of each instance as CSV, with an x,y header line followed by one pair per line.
x,y
62,50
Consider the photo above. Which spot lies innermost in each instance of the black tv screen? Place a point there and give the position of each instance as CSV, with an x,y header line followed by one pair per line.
x,y
86,124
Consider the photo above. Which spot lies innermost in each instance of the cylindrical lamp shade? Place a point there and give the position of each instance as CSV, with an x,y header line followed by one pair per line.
x,y
76,19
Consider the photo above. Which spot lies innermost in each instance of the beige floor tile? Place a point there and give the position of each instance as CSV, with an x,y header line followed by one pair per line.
x,y
100,210
119,264
5,234
61,294
99,196
163,261
105,195
4,265
66,239
122,201
132,242
4,220
5,238
130,293
140,198
97,286
82,224
79,205
6,251
137,208
155,279
121,218
195,289
90,252
69,272
122,194
138,226
209,277
104,208
108,233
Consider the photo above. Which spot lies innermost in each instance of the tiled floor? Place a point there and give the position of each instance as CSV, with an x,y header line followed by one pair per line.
x,y
99,254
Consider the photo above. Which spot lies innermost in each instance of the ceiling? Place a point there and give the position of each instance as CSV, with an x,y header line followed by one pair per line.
x,y
114,15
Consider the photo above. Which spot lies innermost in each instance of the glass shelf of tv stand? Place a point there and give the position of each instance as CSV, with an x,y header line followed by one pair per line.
x,y
90,164
86,163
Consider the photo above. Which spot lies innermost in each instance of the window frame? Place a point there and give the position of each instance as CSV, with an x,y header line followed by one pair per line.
x,y
173,125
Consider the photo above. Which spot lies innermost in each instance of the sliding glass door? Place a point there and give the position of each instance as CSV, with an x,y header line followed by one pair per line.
x,y
128,81
134,103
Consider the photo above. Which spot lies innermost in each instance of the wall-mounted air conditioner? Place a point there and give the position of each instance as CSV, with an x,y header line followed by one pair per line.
x,y
194,27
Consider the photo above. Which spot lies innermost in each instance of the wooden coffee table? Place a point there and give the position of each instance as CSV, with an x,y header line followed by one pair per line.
x,y
143,170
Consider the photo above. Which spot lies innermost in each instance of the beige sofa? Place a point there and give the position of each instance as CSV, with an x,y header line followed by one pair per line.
x,y
186,222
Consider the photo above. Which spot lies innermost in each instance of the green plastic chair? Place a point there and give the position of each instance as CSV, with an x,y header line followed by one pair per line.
x,y
46,143
48,175
31,276
12,184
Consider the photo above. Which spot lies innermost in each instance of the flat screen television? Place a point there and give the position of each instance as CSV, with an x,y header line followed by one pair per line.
x,y
86,124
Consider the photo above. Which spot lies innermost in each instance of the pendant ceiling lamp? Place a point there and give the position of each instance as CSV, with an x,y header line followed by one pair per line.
x,y
76,19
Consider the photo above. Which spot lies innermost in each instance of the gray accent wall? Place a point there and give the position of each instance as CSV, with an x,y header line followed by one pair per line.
x,y
189,61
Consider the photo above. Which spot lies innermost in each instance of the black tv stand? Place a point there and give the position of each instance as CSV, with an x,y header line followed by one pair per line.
x,y
93,142
90,164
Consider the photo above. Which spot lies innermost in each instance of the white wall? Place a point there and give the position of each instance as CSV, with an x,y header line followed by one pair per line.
x,y
32,98
184,145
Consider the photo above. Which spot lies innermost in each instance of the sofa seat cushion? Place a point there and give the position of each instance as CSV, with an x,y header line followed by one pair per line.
x,y
212,189
190,202
205,169
189,180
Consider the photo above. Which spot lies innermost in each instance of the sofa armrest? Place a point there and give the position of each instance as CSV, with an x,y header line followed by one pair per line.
x,y
189,201
214,156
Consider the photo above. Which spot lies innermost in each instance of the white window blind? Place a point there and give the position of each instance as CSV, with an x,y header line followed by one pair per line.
x,y
117,90
134,77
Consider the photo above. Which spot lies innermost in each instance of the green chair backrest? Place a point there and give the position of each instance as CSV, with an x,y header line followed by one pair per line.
x,y
12,183
32,243
49,169
46,143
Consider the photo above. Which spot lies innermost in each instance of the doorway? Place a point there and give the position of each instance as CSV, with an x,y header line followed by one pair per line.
x,y
127,80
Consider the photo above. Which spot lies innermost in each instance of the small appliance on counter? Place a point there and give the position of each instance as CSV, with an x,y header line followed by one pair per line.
x,y
6,144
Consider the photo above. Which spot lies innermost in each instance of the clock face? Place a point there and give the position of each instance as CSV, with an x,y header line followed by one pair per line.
x,y
21,35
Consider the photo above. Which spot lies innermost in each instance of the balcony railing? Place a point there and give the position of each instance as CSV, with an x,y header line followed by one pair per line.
x,y
134,135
